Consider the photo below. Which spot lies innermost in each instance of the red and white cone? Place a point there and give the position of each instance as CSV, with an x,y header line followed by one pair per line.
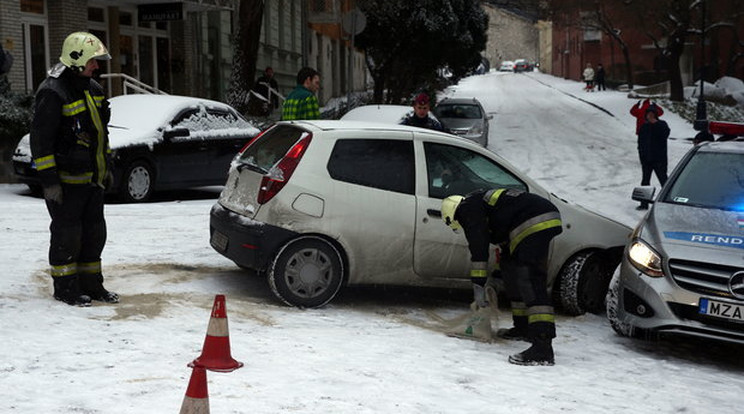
x,y
216,350
196,400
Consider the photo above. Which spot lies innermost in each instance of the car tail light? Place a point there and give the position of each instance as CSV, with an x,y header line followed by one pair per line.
x,y
279,174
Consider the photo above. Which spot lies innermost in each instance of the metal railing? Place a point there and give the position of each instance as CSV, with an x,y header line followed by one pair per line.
x,y
134,84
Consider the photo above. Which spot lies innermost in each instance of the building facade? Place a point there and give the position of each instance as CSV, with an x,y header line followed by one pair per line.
x,y
182,47
511,36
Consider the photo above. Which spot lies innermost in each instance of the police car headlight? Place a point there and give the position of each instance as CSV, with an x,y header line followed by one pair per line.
x,y
645,259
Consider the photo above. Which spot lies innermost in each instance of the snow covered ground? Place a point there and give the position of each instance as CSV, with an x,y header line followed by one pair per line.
x,y
371,350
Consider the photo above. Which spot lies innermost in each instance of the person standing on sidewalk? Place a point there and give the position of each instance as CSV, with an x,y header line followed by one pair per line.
x,y
600,77
70,148
652,149
302,103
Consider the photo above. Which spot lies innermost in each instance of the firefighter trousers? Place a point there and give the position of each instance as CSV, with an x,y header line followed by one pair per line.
x,y
78,229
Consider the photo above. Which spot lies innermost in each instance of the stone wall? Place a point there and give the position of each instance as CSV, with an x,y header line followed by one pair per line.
x,y
510,37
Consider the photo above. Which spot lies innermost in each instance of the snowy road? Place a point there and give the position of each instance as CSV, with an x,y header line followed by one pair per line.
x,y
370,351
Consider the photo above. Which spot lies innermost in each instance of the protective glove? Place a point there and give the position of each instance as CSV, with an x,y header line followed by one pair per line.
x,y
108,180
53,193
479,296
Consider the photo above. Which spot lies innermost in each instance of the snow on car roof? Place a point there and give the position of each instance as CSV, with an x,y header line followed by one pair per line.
x,y
136,119
387,114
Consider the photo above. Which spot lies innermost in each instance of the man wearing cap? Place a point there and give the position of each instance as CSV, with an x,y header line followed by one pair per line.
x,y
420,116
70,148
652,149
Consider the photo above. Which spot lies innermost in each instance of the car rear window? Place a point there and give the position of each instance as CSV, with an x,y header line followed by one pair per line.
x,y
384,164
710,180
271,147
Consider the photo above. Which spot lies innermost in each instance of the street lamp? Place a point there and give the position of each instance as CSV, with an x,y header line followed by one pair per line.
x,y
701,119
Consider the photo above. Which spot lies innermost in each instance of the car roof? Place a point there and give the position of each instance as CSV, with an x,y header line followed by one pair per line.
x,y
344,125
150,111
723,147
459,101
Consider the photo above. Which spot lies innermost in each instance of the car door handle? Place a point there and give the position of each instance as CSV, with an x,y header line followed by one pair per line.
x,y
434,213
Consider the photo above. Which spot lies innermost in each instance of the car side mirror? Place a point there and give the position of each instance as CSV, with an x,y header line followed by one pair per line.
x,y
644,193
169,134
489,117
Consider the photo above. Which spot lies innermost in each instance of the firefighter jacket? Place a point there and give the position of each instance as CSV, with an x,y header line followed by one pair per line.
x,y
69,135
503,217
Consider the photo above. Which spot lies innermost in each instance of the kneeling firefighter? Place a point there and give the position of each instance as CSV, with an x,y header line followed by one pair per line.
x,y
70,147
522,224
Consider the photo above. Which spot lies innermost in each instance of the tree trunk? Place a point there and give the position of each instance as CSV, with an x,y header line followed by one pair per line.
x,y
628,66
250,17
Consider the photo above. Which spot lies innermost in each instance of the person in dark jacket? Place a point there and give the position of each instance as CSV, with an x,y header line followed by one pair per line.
x,y
70,148
522,224
420,116
600,78
652,149
267,87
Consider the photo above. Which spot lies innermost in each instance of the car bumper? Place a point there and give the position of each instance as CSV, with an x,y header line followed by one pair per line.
x,y
660,305
25,173
248,243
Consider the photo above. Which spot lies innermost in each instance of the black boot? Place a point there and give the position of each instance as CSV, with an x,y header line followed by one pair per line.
x,y
92,285
512,334
67,290
540,353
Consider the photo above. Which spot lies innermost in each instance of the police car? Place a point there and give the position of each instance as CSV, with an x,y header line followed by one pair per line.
x,y
683,270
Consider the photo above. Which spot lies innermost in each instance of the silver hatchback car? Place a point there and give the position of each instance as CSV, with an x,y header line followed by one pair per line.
x,y
683,270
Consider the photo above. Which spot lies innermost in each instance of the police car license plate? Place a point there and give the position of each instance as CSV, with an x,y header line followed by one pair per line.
x,y
219,241
721,309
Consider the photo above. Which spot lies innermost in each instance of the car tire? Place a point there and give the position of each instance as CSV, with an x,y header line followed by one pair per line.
x,y
583,284
307,272
137,182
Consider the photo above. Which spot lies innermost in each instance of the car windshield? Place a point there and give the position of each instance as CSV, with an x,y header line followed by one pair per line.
x,y
710,180
458,111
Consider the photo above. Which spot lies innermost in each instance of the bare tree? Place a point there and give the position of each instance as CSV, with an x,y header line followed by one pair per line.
x,y
247,39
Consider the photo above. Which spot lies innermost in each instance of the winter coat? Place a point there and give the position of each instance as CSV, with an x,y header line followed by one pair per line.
x,y
69,134
301,103
588,74
504,216
652,142
639,112
425,122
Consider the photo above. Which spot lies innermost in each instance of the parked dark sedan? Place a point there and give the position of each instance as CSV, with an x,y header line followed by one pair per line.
x,y
162,142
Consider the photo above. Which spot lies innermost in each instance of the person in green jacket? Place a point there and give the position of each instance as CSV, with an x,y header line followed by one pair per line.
x,y
302,103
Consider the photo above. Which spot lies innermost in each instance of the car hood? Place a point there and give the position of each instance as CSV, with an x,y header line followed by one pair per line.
x,y
677,228
460,123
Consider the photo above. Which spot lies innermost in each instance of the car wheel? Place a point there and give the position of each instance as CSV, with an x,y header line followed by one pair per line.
x,y
583,283
137,182
307,272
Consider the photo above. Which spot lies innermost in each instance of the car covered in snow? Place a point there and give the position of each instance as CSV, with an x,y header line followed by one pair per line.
x,y
318,205
161,142
464,117
683,270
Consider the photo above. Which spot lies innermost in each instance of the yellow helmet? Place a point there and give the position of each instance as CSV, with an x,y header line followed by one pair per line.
x,y
79,48
449,206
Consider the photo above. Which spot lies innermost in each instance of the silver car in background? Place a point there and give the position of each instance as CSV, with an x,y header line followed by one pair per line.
x,y
683,270
464,117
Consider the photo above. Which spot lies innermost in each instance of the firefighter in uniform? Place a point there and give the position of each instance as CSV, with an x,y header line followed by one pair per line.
x,y
522,225
69,143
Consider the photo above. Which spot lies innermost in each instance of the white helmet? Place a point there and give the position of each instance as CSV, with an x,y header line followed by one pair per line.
x,y
79,48
449,206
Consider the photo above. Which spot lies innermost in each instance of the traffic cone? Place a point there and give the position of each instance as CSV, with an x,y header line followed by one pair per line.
x,y
216,350
196,400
